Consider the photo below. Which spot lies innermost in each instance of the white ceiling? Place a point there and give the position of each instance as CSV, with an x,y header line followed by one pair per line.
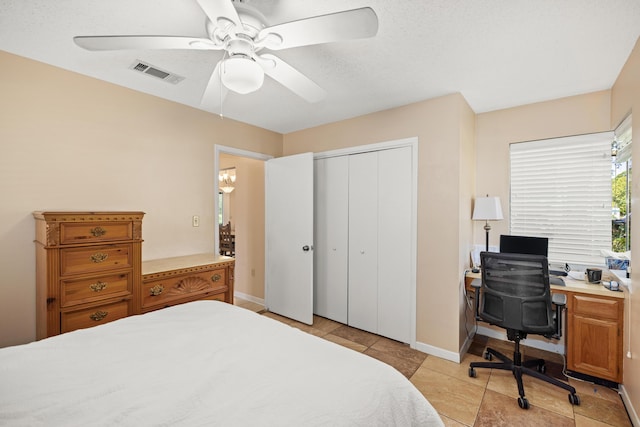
x,y
497,53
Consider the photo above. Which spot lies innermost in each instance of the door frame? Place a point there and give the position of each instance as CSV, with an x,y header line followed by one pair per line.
x,y
411,142
222,149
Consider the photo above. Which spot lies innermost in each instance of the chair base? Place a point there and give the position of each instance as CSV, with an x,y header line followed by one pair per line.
x,y
520,368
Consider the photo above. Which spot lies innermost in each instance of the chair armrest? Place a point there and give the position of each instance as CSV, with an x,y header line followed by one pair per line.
x,y
559,299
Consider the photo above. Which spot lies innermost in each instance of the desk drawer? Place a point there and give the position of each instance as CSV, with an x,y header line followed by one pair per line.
x,y
95,258
81,291
86,318
90,232
596,307
178,288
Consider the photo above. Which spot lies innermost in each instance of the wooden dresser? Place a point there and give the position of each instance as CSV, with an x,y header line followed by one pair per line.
x,y
88,266
171,281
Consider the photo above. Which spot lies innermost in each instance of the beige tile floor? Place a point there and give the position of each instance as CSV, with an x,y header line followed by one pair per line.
x,y
490,399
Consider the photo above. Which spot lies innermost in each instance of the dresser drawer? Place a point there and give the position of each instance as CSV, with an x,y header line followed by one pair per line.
x,y
93,316
95,258
73,292
87,232
175,289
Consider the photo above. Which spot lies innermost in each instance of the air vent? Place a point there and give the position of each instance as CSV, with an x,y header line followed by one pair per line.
x,y
156,72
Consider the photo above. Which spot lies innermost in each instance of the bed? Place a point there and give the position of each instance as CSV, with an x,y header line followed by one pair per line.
x,y
201,363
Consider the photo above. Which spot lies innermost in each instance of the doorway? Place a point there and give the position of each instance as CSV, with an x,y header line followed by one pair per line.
x,y
243,207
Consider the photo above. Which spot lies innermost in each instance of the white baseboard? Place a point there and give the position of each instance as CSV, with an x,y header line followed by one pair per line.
x,y
633,415
438,352
249,298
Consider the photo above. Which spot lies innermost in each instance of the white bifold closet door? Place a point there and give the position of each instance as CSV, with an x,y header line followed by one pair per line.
x,y
331,234
363,211
363,241
395,187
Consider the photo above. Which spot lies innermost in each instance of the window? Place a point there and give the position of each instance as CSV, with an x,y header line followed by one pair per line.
x,y
561,189
620,186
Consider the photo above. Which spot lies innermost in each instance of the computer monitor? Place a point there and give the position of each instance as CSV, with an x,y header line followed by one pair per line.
x,y
524,245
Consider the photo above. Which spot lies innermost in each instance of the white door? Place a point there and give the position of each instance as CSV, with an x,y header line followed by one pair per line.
x,y
289,236
363,241
331,237
394,243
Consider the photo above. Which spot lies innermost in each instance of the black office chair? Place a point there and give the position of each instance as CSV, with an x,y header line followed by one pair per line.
x,y
514,294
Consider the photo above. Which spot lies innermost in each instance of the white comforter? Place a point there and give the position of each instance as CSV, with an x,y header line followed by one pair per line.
x,y
204,363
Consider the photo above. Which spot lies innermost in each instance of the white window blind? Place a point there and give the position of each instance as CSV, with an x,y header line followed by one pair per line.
x,y
561,189
623,140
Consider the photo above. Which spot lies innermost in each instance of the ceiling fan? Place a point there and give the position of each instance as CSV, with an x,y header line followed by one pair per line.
x,y
242,33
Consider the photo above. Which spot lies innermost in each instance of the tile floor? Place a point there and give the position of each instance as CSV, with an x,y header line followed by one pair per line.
x,y
490,399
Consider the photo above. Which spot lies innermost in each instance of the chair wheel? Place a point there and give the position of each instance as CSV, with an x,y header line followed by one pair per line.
x,y
487,355
523,403
574,399
472,372
542,368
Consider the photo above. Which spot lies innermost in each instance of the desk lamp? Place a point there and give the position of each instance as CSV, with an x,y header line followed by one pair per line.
x,y
487,209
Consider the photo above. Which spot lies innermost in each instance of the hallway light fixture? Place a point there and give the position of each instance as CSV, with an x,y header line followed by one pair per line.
x,y
227,179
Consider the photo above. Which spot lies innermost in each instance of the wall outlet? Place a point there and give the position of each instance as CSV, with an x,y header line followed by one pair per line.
x,y
195,221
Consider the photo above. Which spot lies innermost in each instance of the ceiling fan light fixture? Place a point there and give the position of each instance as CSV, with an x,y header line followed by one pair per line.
x,y
242,75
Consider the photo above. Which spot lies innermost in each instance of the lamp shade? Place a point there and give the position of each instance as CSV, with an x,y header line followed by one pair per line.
x,y
242,75
487,209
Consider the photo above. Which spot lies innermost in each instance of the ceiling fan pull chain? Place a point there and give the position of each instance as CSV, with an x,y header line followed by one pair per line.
x,y
220,81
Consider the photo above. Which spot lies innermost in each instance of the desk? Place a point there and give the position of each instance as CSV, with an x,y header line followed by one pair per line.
x,y
594,328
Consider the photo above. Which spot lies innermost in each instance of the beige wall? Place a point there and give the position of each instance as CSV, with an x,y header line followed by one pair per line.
x,y
247,217
625,98
467,195
71,142
438,124
496,130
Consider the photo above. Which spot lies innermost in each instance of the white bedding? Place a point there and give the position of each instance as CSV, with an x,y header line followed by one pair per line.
x,y
202,363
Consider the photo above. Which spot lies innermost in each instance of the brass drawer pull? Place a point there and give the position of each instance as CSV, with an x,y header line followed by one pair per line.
x,y
98,231
216,277
98,315
99,257
156,290
98,286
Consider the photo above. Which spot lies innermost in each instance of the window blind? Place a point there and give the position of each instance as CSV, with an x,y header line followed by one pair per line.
x,y
623,140
561,189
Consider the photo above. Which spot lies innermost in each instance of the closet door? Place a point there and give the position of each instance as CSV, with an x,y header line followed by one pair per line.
x,y
363,241
331,233
394,243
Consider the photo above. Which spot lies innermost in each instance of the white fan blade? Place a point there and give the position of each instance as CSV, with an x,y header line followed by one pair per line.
x,y
220,10
291,78
144,42
215,91
350,24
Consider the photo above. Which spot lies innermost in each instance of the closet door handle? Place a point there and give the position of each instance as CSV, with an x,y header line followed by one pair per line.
x,y
307,248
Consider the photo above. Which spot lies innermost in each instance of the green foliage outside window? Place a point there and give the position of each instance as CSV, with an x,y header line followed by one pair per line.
x,y
619,232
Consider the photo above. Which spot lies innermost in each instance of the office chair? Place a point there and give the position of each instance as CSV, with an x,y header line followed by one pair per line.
x,y
515,295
